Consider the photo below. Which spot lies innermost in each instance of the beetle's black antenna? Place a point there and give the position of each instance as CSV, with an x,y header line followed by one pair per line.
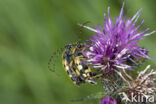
x,y
53,59
81,31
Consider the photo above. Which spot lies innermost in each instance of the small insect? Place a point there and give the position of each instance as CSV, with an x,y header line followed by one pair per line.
x,y
74,66
72,60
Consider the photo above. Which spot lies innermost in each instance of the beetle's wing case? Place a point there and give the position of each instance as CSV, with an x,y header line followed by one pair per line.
x,y
70,67
73,62
85,71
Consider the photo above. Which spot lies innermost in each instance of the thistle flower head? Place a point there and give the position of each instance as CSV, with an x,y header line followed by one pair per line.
x,y
143,85
108,100
115,42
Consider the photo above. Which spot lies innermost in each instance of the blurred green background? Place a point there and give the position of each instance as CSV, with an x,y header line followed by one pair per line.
x,y
31,30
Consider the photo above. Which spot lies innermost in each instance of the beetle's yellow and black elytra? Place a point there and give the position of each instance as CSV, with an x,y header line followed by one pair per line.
x,y
75,68
73,62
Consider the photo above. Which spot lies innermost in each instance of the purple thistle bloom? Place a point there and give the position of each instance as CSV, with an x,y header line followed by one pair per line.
x,y
108,100
116,43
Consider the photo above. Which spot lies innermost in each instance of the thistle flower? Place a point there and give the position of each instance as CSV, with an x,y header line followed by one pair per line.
x,y
108,100
115,43
143,86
